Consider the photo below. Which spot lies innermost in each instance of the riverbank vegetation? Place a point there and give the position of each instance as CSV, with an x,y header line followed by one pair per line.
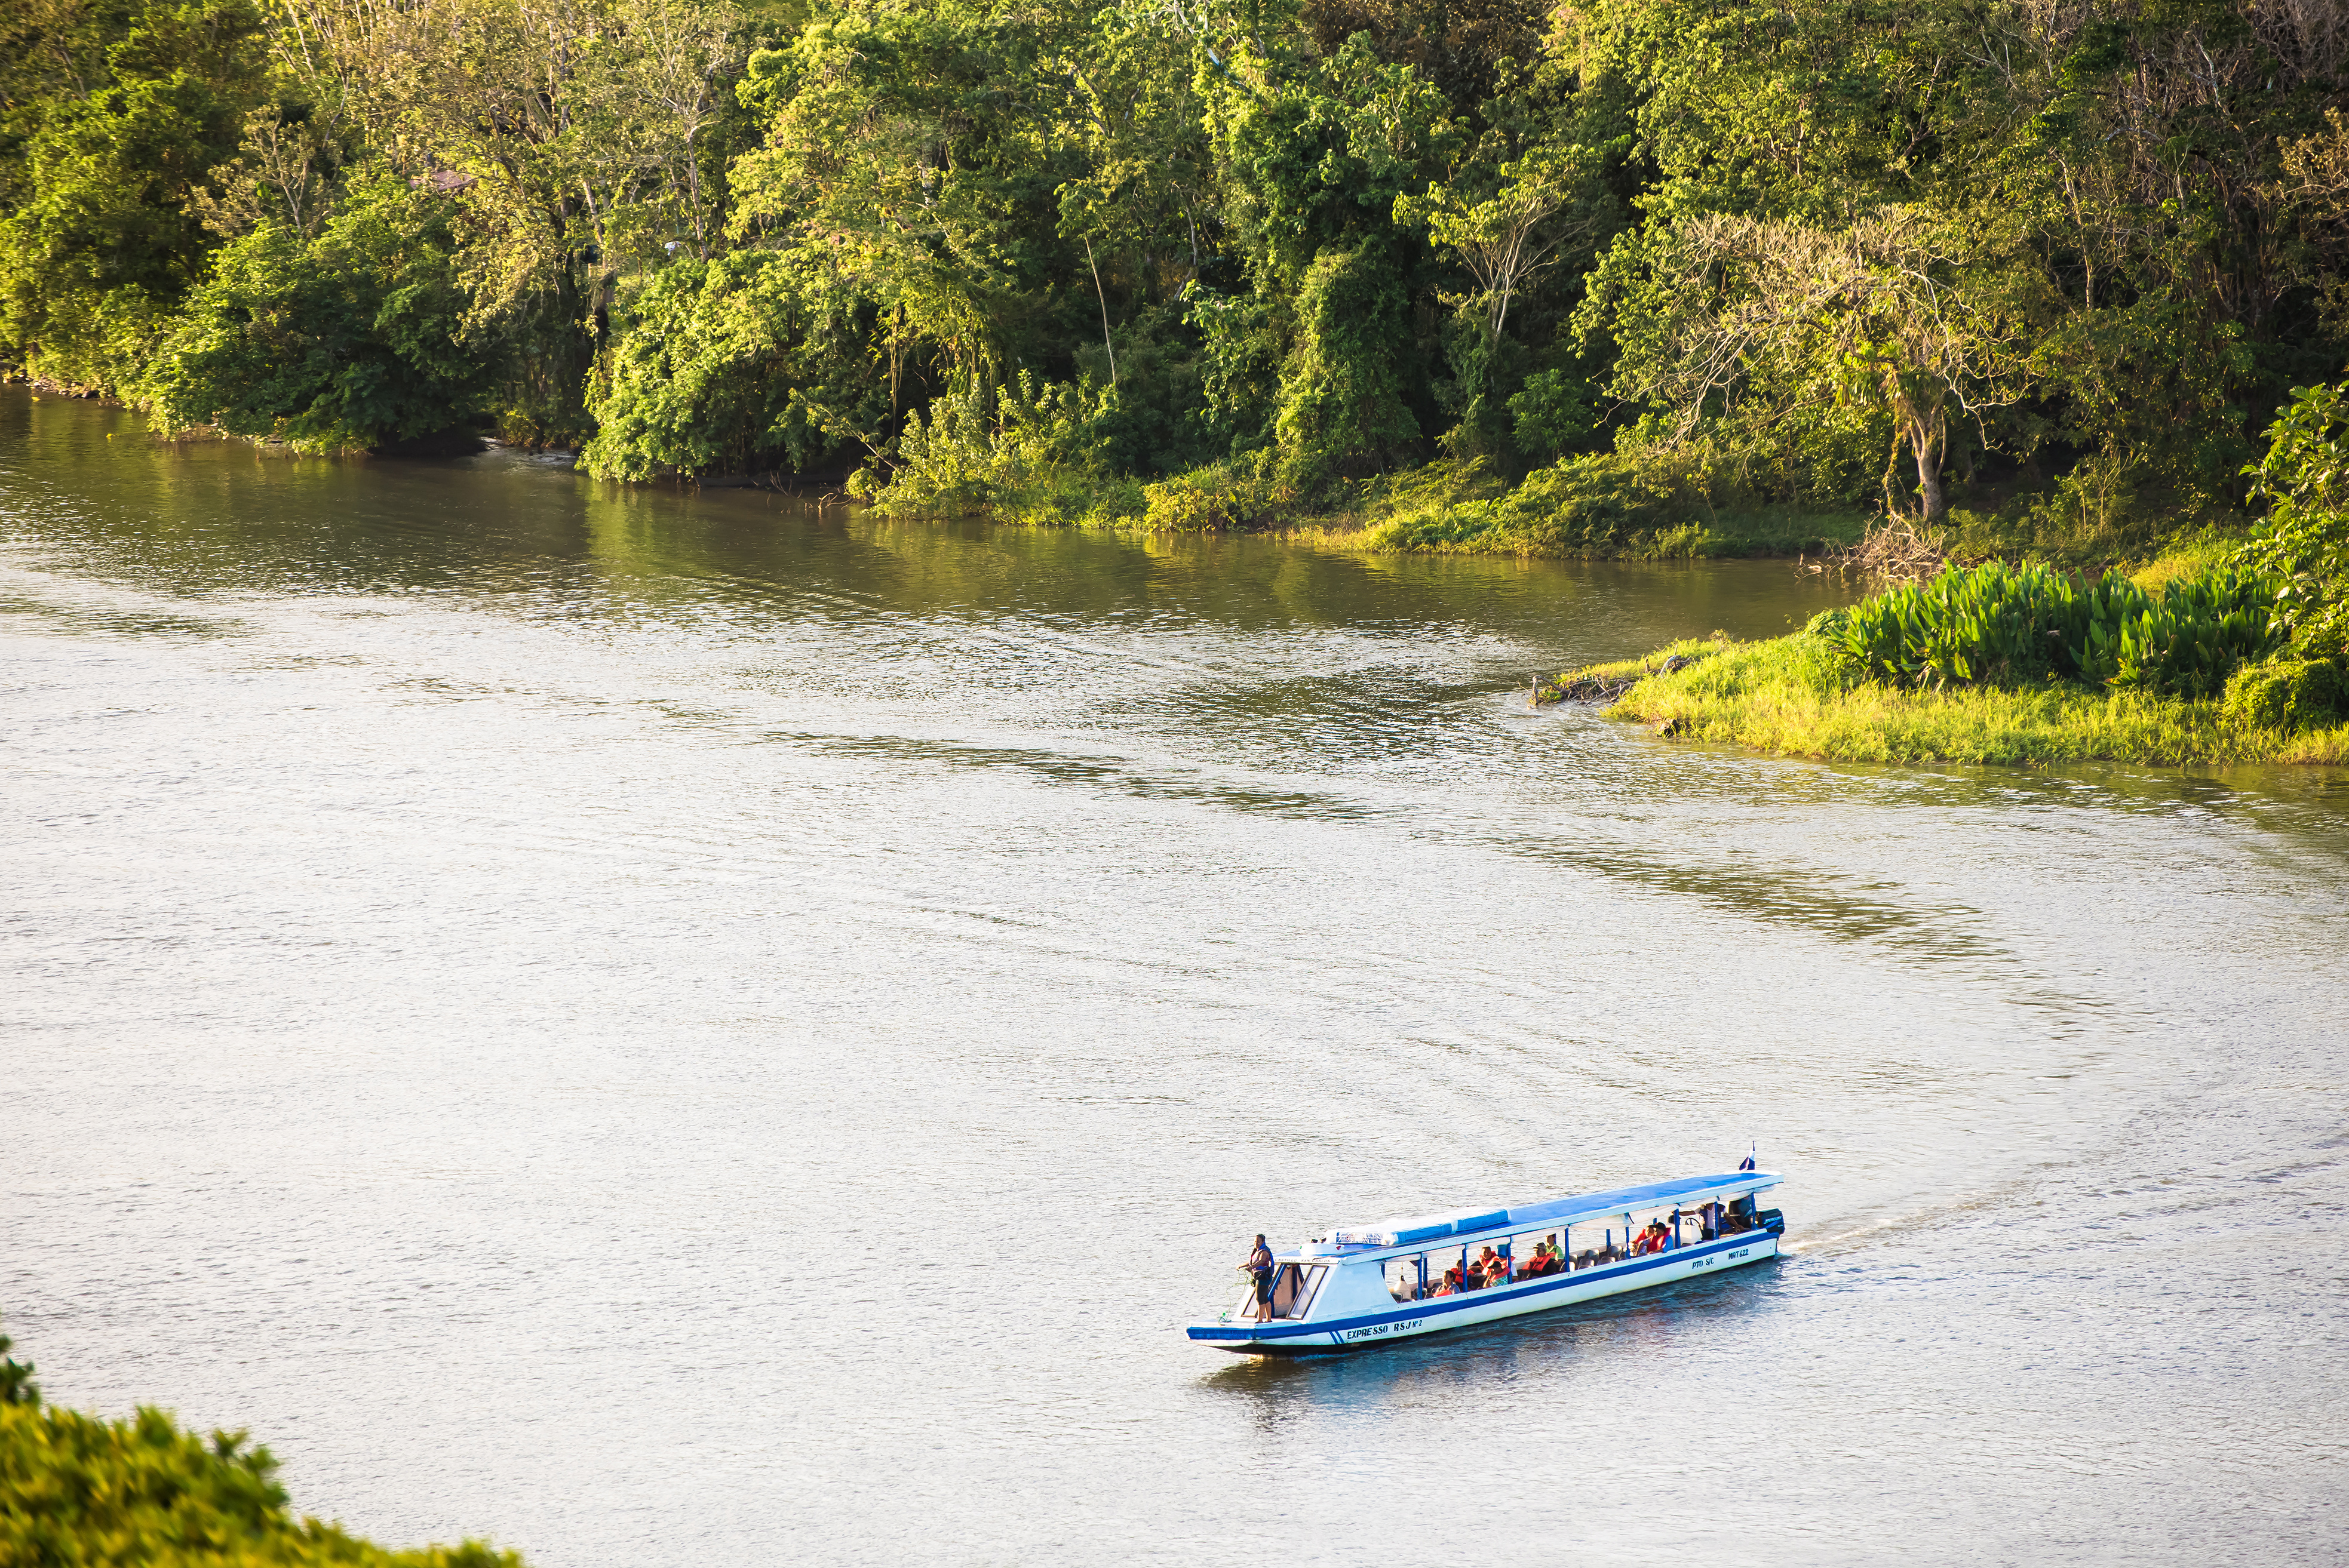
x,y
144,1493
1640,277
2245,659
1793,697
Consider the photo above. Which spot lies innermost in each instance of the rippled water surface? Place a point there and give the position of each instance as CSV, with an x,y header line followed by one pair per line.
x,y
673,1030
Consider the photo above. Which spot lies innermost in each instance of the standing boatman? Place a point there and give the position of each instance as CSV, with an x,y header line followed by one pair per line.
x,y
1259,1269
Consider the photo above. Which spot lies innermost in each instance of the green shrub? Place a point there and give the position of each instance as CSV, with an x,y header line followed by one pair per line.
x,y
1114,503
1551,413
2284,694
113,115
351,338
2304,542
142,1494
2012,625
727,366
1244,493
1600,504
1029,448
2189,639
16,1385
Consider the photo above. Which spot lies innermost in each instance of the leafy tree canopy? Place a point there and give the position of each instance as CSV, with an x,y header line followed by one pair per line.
x,y
1914,256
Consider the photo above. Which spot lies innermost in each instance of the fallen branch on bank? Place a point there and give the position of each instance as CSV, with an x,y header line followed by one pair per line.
x,y
1589,686
1895,549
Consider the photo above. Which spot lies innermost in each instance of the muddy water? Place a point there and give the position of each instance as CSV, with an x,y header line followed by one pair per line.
x,y
672,1029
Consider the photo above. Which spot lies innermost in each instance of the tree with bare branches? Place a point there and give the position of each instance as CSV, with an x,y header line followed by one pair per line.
x,y
1769,320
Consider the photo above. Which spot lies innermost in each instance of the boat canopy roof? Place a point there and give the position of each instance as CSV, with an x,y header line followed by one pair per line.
x,y
1421,1230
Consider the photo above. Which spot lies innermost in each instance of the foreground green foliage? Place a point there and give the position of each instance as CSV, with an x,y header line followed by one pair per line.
x,y
82,1492
16,1385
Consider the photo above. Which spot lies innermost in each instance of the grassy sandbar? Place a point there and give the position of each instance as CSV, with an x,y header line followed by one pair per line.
x,y
1785,696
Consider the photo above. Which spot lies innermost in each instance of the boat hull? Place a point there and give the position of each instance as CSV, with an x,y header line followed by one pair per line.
x,y
1419,1319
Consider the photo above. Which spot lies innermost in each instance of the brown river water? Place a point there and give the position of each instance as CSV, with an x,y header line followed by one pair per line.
x,y
668,1030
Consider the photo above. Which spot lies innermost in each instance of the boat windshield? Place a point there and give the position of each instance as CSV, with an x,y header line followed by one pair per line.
x,y
1294,1287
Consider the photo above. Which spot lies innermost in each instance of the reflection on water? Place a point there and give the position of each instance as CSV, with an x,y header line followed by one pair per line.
x,y
665,1026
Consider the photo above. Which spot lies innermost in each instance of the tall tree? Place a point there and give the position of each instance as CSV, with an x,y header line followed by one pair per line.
x,y
101,237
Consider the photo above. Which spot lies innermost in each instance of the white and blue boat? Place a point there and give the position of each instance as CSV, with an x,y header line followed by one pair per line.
x,y
1365,1286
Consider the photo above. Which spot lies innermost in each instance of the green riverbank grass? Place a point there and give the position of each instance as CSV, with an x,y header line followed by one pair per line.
x,y
1590,508
1784,696
1772,533
1602,509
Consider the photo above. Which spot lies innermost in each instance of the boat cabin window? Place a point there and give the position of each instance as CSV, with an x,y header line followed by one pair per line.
x,y
1294,1285
1532,1256
1536,1255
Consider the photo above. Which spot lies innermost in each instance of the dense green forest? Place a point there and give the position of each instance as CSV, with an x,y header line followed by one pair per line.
x,y
1534,278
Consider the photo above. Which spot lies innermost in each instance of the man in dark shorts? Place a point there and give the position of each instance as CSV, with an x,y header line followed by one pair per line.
x,y
1259,1268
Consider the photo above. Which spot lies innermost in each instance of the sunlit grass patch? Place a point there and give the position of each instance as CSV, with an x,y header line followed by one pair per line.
x,y
1596,507
1787,696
